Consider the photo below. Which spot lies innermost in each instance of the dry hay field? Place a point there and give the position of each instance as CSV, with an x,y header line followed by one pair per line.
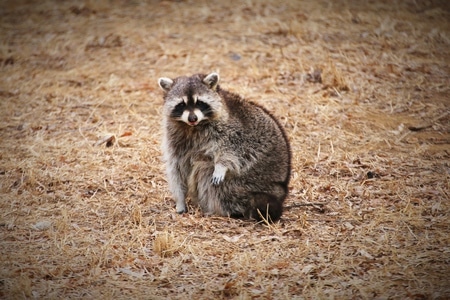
x,y
362,88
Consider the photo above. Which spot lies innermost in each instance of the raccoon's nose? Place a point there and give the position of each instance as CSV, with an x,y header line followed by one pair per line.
x,y
192,118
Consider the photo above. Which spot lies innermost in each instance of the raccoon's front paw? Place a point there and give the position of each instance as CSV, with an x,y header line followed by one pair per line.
x,y
181,211
219,174
181,208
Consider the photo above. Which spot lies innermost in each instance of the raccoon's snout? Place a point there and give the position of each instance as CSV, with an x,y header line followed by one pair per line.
x,y
192,118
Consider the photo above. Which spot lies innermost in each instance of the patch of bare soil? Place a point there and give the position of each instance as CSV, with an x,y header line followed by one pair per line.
x,y
362,89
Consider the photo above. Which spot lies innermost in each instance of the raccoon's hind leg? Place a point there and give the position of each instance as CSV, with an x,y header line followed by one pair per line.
x,y
267,206
201,190
197,169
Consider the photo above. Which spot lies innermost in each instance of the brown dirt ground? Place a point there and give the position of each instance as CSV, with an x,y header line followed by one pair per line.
x,y
362,88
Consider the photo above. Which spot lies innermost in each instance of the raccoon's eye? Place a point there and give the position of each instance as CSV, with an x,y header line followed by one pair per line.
x,y
205,108
178,110
180,105
201,103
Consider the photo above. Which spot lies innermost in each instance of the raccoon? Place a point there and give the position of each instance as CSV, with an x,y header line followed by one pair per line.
x,y
231,157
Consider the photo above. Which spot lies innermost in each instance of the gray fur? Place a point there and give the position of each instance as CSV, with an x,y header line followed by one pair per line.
x,y
231,163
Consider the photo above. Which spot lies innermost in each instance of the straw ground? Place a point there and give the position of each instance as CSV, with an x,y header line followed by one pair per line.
x,y
362,89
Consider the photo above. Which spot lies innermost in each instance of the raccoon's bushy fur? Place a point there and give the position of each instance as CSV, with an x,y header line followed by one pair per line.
x,y
230,156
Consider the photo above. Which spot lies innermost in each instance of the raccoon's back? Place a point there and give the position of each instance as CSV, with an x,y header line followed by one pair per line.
x,y
256,131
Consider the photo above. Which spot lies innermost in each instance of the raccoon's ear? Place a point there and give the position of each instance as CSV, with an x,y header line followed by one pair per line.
x,y
212,80
165,83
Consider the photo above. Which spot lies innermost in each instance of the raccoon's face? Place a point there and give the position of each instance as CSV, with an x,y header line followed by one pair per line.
x,y
191,100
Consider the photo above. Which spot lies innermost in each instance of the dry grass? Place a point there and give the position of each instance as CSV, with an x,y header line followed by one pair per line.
x,y
361,87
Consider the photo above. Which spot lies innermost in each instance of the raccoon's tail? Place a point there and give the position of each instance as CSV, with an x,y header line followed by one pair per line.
x,y
266,206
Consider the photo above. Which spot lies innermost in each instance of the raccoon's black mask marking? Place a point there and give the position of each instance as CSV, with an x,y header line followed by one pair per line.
x,y
205,109
191,106
178,110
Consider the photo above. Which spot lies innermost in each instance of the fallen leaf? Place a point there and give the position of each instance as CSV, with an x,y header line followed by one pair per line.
x,y
233,239
349,226
307,269
126,133
131,273
42,225
108,139
365,254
